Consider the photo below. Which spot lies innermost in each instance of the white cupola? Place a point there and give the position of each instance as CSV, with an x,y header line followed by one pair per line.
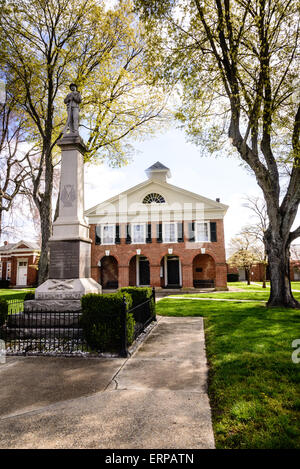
x,y
158,172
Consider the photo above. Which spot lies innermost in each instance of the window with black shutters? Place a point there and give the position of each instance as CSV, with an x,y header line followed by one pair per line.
x,y
159,232
191,226
213,231
117,238
128,234
149,234
98,234
180,232
202,232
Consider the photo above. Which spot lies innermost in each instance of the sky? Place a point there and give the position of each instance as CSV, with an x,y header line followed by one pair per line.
x,y
210,177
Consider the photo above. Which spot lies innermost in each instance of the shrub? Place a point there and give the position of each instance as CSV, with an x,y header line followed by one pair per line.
x,y
3,311
4,283
140,295
29,296
101,321
232,277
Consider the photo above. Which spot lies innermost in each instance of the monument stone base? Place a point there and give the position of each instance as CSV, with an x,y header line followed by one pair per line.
x,y
66,289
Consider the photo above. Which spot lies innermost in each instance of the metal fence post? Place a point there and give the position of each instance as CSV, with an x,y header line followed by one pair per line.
x,y
124,349
154,304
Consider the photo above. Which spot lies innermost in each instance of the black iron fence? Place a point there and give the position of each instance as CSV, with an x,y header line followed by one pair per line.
x,y
143,313
15,306
40,332
43,332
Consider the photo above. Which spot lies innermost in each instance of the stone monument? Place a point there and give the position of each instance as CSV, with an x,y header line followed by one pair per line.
x,y
70,245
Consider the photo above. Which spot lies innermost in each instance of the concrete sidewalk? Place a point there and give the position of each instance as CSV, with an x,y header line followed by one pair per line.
x,y
155,399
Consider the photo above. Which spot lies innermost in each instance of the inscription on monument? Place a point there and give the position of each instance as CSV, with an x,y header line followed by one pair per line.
x,y
69,260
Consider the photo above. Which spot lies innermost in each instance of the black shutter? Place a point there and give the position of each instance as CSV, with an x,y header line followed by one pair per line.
x,y
128,234
192,231
159,232
149,234
117,239
97,234
180,232
213,231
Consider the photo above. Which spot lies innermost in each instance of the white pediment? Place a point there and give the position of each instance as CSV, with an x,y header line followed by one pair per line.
x,y
179,203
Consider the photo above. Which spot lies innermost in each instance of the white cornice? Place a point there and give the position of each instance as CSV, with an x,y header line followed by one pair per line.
x,y
19,250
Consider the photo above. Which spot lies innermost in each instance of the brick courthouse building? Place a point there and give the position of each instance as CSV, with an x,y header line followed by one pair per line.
x,y
160,235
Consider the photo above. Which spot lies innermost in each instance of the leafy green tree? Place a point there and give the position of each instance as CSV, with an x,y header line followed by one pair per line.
x,y
46,44
235,64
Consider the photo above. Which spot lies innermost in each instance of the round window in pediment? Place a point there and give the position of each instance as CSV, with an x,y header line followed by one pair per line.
x,y
154,198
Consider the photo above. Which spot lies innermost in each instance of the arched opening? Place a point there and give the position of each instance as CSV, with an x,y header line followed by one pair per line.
x,y
170,272
109,273
204,271
139,271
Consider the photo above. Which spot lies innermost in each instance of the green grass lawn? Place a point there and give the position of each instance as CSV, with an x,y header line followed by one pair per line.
x,y
252,286
254,387
10,294
247,295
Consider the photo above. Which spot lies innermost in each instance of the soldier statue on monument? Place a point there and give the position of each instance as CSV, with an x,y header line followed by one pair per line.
x,y
72,100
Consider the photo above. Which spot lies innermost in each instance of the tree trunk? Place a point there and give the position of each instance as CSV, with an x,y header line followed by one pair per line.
x,y
1,222
46,231
44,205
56,213
279,263
264,277
248,276
264,270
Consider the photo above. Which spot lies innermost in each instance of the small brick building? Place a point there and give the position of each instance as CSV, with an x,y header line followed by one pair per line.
x,y
160,235
18,263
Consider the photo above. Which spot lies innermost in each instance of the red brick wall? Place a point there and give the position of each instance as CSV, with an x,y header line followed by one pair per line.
x,y
207,266
155,251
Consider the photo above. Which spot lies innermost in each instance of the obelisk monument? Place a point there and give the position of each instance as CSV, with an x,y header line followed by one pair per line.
x,y
70,245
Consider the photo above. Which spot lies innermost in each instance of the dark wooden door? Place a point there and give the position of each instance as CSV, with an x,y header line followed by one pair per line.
x,y
173,271
144,272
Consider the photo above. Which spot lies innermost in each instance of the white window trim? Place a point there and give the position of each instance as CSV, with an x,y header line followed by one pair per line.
x,y
208,232
102,232
21,259
8,263
132,233
164,232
